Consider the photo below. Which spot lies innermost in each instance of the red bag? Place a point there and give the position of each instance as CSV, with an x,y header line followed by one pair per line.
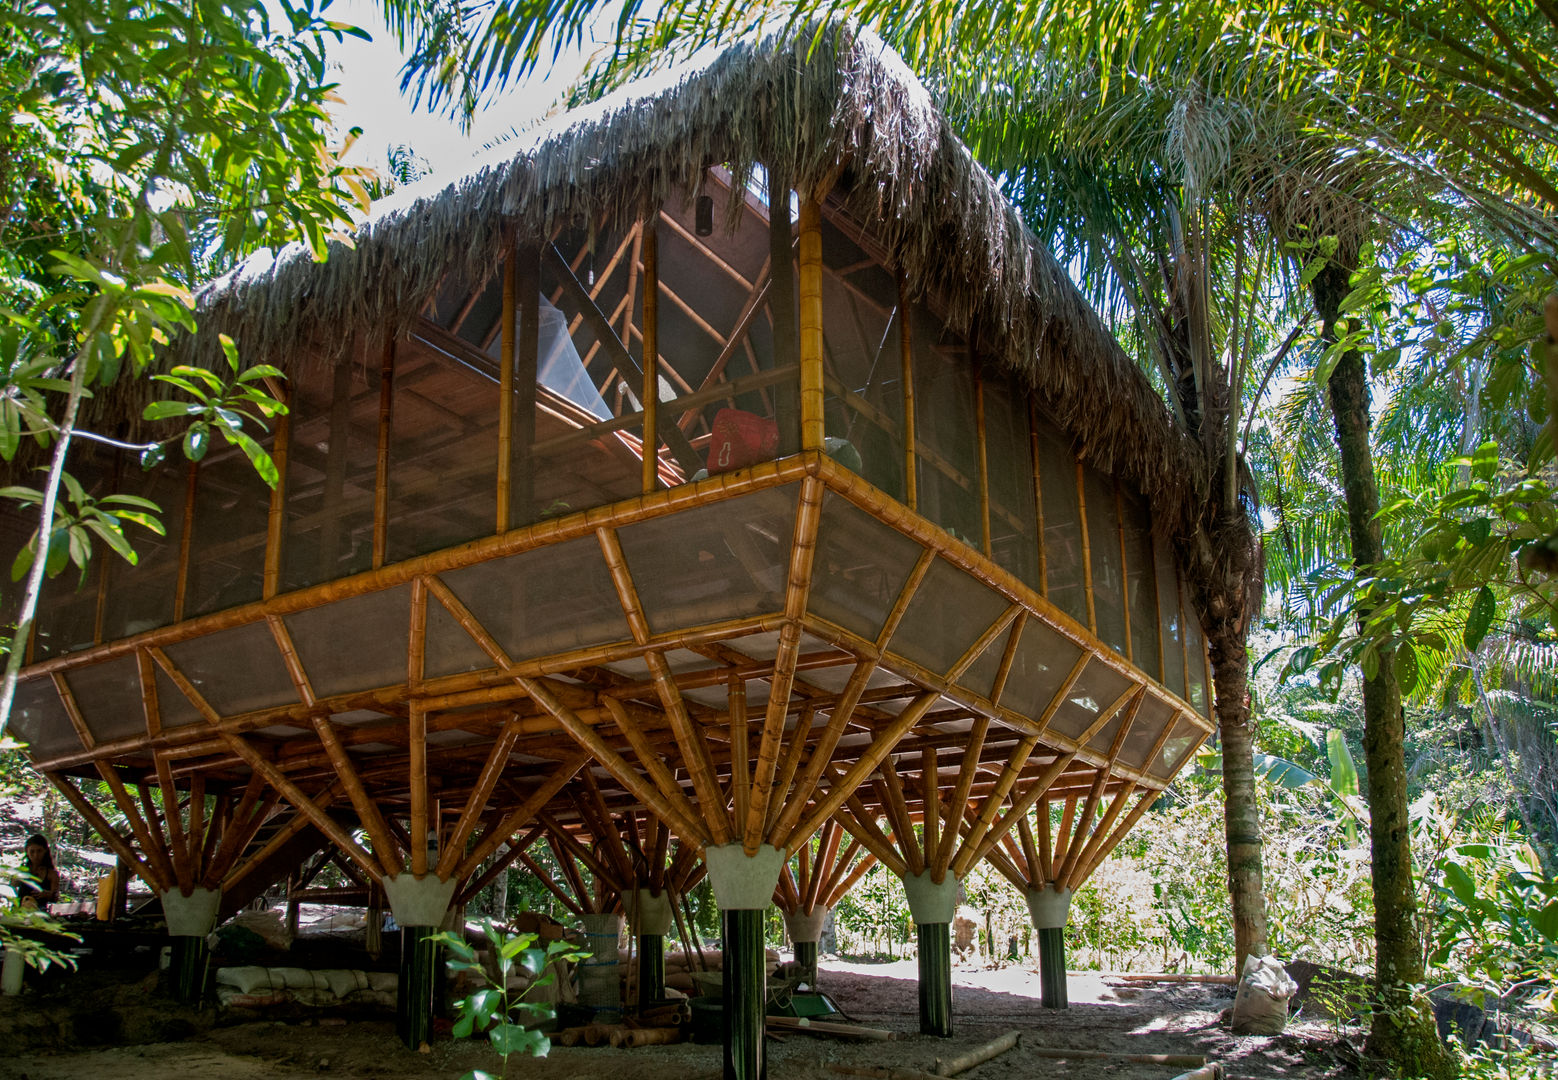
x,y
741,439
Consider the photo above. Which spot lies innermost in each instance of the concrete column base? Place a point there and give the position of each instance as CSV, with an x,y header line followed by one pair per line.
x,y
805,927
1048,906
193,915
418,901
743,882
931,901
649,915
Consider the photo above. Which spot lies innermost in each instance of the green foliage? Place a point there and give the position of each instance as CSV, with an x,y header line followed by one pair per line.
x,y
496,1009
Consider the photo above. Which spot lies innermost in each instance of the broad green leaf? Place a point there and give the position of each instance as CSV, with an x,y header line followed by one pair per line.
x,y
1459,882
1478,619
1405,665
1344,770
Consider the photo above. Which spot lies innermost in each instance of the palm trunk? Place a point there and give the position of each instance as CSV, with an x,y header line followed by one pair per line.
x,y
1400,1031
1241,815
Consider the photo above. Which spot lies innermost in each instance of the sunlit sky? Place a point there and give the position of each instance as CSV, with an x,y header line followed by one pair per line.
x,y
369,77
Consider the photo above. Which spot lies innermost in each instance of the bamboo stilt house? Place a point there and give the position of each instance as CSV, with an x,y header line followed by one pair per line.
x,y
726,454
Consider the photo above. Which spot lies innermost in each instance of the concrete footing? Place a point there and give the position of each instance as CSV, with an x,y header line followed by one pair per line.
x,y
805,929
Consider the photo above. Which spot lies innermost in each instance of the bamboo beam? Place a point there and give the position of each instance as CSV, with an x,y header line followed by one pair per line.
x,y
100,826
177,848
911,585
808,517
520,816
822,753
1125,571
72,710
278,840
651,347
687,825
1063,835
453,851
186,535
794,751
985,640
468,622
239,837
1031,862
501,863
149,704
367,810
1143,804
551,886
1008,658
299,799
827,852
1021,806
1087,552
863,829
898,813
290,659
156,859
652,762
1084,821
867,764
848,882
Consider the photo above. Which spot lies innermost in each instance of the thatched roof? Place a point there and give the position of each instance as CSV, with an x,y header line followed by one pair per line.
x,y
806,109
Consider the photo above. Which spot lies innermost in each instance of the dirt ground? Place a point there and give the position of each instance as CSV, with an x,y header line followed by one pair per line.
x,y
1157,1019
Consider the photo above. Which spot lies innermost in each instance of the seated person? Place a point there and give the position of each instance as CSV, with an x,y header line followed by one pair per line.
x,y
44,886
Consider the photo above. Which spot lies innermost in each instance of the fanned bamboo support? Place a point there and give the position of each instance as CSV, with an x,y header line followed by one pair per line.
x,y
898,813
417,782
687,825
864,830
959,800
1078,839
497,759
862,768
1036,791
177,849
300,800
822,753
155,856
247,863
1099,835
740,759
247,827
500,863
992,806
930,805
808,516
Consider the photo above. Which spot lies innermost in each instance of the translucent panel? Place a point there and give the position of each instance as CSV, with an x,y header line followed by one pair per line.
x,y
1175,750
227,546
859,568
67,605
1195,664
1014,528
109,697
1154,714
863,362
980,676
1098,688
945,429
720,561
447,649
1103,739
174,710
1063,575
1168,615
948,613
356,644
38,719
443,445
332,465
1103,535
140,597
237,670
549,600
1043,661
1141,586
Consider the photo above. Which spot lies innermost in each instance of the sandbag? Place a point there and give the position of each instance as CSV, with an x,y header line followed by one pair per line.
x,y
1260,1007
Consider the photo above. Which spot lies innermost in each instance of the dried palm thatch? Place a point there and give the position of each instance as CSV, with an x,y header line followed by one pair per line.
x,y
835,109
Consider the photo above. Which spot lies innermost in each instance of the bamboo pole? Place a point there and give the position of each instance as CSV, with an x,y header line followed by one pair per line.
x,y
551,886
526,359
241,835
898,812
992,806
794,751
149,705
740,763
977,1056
507,350
78,722
930,803
194,834
497,760
278,840
520,816
381,466
863,829
1100,833
850,879
1084,820
502,862
276,514
372,818
156,860
177,849
299,799
827,852
984,641
290,659
906,375
180,588
1063,835
695,751
1031,863
983,457
651,345
468,622
1046,843
1036,469
1143,804
808,517
417,738
959,803
867,764
653,763
843,712
811,339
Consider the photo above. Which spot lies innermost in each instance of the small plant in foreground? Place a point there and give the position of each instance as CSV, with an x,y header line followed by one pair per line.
x,y
495,1008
